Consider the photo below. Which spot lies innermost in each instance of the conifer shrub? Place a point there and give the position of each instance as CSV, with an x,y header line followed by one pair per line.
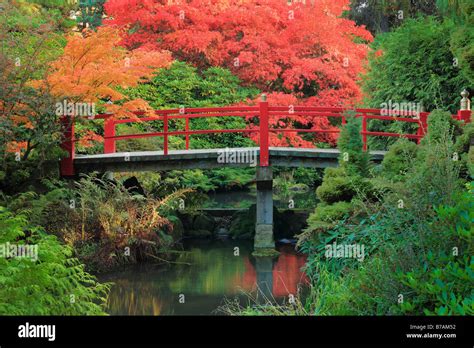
x,y
464,147
353,159
337,186
399,159
331,213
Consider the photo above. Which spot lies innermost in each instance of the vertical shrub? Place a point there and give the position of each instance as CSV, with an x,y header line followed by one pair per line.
x,y
353,159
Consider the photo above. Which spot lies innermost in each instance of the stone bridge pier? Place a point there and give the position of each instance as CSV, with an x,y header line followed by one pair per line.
x,y
264,222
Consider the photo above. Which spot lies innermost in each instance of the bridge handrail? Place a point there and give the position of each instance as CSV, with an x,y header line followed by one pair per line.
x,y
263,111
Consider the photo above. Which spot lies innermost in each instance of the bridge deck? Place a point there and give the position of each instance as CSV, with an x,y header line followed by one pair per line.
x,y
208,158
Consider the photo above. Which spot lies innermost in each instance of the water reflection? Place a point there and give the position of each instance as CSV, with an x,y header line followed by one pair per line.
x,y
202,277
264,269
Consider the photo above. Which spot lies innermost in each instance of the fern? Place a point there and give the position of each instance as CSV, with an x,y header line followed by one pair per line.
x,y
54,284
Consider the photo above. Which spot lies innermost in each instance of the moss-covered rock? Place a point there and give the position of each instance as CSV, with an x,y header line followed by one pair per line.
x,y
265,252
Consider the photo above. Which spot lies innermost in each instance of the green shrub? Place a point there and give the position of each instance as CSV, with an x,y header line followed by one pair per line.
x,y
445,290
336,189
307,176
464,141
374,286
377,188
324,218
435,177
181,85
49,210
462,39
337,186
196,180
443,286
416,65
331,213
330,294
54,284
353,159
470,161
418,251
399,159
466,151
141,144
440,125
230,178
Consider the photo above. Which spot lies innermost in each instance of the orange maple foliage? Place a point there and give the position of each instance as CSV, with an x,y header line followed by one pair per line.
x,y
93,66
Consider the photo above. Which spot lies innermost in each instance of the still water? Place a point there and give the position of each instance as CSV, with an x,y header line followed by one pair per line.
x,y
203,277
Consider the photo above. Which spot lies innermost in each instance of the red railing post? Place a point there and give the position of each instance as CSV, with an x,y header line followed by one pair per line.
x,y
165,135
422,125
187,135
263,129
67,163
109,134
364,131
464,114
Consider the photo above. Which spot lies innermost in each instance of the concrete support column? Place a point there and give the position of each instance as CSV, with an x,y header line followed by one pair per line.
x,y
264,223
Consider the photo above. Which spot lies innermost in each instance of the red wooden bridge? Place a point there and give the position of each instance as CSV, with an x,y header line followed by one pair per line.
x,y
167,159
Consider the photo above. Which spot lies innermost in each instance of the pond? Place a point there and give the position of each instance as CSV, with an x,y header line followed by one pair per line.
x,y
207,273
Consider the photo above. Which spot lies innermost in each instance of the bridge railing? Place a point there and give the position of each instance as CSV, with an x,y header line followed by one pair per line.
x,y
186,114
365,114
263,112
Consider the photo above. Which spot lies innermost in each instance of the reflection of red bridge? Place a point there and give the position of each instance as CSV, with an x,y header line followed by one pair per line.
x,y
286,274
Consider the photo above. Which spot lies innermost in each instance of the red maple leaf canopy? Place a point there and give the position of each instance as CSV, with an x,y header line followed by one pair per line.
x,y
300,54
